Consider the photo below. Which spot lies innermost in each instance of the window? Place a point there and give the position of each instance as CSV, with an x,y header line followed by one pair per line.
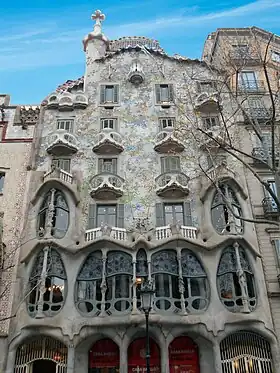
x,y
119,273
169,164
222,218
107,165
210,122
164,93
100,215
62,163
277,250
235,280
275,56
206,87
174,213
2,179
166,123
247,81
54,211
270,199
65,124
109,123
240,50
88,295
109,94
55,283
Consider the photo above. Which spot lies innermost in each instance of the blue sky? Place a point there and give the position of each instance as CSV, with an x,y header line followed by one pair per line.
x,y
41,40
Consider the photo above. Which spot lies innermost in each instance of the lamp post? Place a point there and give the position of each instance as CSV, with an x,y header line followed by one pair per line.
x,y
147,294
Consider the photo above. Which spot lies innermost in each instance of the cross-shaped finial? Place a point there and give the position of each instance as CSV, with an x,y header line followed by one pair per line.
x,y
98,16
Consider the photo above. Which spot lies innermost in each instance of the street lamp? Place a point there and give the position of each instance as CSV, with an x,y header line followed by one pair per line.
x,y
147,295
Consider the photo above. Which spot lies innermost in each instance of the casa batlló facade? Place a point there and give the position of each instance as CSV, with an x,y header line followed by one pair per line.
x,y
115,197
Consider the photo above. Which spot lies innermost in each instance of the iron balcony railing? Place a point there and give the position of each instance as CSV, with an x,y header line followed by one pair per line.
x,y
262,155
260,113
251,86
269,206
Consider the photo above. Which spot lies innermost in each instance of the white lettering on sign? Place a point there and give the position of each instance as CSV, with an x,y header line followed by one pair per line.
x,y
104,354
175,352
144,369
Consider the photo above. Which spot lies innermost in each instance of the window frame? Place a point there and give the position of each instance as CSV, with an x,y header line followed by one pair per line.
x,y
165,163
246,84
173,205
275,53
115,124
65,120
2,181
116,94
62,159
210,118
167,119
106,206
159,94
114,165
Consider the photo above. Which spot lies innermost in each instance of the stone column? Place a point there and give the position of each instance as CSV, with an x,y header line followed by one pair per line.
x,y
123,357
11,361
164,361
134,285
103,283
71,359
217,356
42,284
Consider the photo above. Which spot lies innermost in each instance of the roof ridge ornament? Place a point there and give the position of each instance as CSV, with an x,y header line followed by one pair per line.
x,y
98,17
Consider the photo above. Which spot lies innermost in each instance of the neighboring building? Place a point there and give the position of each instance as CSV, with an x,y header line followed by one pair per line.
x,y
16,135
116,197
251,56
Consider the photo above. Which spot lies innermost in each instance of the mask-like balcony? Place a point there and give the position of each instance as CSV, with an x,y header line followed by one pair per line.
x,y
166,142
270,208
62,143
207,102
263,156
172,184
108,142
113,232
106,186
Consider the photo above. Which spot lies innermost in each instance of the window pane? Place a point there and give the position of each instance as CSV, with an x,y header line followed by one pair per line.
x,y
178,208
2,178
109,92
164,93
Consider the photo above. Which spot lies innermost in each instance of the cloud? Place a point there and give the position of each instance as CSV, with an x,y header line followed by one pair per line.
x,y
54,39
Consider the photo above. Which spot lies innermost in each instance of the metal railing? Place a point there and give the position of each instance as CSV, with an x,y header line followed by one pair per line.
x,y
269,206
251,86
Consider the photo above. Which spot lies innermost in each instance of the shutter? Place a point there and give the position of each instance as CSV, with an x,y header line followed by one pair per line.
x,y
177,162
158,95
120,215
170,92
160,215
188,214
102,94
100,165
92,216
116,94
114,166
164,164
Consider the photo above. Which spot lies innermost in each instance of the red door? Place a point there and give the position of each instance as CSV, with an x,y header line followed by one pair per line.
x,y
183,356
137,356
104,357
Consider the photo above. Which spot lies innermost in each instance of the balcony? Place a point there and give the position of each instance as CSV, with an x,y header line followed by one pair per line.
x,y
62,143
263,156
260,114
166,142
207,102
213,139
172,184
108,142
57,173
106,186
166,232
113,232
270,208
244,56
251,86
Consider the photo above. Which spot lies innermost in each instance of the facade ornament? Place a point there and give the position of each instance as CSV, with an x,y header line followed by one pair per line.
x,y
141,228
98,17
42,284
50,215
242,280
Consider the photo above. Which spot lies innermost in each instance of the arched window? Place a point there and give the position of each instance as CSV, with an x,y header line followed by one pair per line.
x,y
222,217
196,287
246,352
141,272
119,272
53,215
165,273
43,354
88,294
236,280
49,270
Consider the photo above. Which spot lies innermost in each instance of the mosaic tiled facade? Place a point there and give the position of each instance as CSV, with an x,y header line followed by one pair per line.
x,y
116,196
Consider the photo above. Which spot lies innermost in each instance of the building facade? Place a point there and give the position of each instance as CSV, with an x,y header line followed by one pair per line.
x,y
117,195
